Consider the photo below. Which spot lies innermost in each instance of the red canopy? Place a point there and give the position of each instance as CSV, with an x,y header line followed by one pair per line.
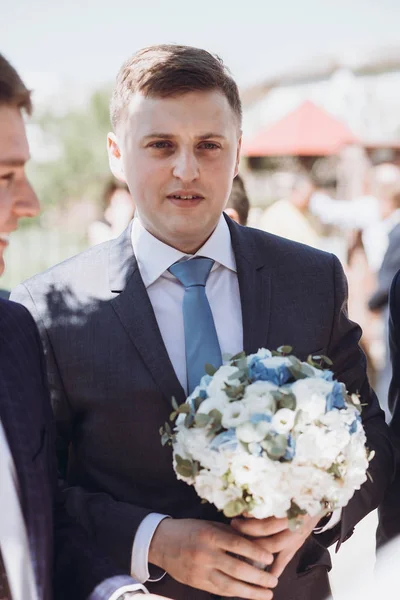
x,y
306,131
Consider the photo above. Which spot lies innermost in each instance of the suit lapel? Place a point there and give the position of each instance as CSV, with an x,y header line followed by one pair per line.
x,y
254,285
22,446
134,309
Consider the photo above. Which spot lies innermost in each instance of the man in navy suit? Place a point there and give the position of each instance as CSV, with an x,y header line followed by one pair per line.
x,y
39,543
118,343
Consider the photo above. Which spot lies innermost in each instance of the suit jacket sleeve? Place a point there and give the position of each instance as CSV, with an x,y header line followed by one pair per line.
x,y
110,523
81,571
389,514
350,367
389,268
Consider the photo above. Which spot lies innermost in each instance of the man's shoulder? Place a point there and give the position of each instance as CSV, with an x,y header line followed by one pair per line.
x,y
15,320
285,249
81,267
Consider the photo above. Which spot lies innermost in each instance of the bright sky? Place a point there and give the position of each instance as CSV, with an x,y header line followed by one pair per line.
x,y
86,41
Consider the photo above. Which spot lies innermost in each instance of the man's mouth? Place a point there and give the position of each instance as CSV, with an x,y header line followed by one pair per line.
x,y
182,197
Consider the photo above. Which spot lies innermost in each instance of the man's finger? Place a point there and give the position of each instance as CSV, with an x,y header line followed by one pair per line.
x,y
247,573
260,527
236,544
228,587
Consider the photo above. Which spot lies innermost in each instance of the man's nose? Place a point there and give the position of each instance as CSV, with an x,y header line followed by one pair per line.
x,y
27,203
186,166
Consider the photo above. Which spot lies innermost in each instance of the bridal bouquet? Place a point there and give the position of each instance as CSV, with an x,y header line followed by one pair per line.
x,y
270,436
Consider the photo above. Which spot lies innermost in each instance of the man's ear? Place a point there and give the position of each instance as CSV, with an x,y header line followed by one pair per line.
x,y
115,157
239,147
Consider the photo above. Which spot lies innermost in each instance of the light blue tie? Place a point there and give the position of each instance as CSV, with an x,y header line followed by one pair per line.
x,y
201,341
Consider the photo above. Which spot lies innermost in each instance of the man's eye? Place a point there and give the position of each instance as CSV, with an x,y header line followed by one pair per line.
x,y
160,145
208,146
7,179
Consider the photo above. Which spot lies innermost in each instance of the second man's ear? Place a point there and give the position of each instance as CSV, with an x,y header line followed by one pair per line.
x,y
115,157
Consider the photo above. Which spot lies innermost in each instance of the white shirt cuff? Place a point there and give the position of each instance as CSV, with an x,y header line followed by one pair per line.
x,y
138,589
334,520
141,546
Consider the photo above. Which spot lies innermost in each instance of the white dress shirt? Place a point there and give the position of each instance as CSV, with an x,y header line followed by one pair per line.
x,y
13,537
166,296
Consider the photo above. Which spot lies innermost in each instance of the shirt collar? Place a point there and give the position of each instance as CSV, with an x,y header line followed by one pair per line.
x,y
154,257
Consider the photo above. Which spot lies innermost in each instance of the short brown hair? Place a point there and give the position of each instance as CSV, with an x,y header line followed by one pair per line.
x,y
13,91
171,70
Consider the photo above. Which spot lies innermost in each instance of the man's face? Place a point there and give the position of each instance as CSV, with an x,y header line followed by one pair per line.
x,y
17,198
179,156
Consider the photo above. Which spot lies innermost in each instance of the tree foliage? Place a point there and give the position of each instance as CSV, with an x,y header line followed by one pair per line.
x,y
80,166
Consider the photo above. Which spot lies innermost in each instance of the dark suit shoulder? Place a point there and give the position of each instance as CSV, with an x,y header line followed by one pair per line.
x,y
270,245
15,318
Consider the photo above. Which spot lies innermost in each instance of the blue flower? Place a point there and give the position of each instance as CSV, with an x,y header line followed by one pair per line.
x,y
335,399
278,375
327,375
353,427
226,440
258,417
291,448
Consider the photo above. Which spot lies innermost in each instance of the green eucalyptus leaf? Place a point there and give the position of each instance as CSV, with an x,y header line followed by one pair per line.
x,y
183,409
173,415
234,508
174,403
284,350
275,446
189,420
201,420
239,355
210,370
335,471
197,402
164,439
287,401
184,466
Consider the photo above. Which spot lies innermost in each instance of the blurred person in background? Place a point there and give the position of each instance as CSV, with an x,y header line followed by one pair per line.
x,y
389,205
291,217
384,183
43,553
119,208
238,205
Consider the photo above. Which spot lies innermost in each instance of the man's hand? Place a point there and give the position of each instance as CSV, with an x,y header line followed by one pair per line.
x,y
201,554
275,536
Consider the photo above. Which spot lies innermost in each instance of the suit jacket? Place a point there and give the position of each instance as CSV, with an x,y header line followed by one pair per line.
x,y
112,381
389,513
25,412
389,268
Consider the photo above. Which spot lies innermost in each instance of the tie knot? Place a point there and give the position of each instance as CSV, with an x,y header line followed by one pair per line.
x,y
192,272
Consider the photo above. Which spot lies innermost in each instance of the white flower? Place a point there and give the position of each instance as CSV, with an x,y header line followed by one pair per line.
x,y
283,420
234,414
258,396
220,378
262,353
247,432
246,468
193,441
214,403
311,395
